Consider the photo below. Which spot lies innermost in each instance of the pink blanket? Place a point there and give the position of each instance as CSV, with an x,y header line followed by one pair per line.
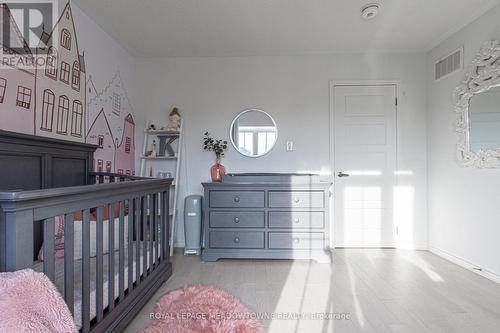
x,y
29,302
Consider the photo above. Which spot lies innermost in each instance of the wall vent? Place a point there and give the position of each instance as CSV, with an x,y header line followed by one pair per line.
x,y
450,64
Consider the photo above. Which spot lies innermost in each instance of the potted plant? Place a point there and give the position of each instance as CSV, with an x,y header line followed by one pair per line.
x,y
217,171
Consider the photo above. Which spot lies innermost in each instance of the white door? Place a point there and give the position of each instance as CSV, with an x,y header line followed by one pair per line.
x,y
365,164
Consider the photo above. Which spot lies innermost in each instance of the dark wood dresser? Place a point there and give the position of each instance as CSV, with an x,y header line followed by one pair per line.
x,y
267,216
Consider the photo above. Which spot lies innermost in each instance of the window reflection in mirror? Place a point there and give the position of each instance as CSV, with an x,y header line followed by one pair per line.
x,y
484,120
253,133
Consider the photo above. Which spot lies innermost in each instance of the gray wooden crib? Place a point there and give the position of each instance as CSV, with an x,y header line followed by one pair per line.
x,y
114,252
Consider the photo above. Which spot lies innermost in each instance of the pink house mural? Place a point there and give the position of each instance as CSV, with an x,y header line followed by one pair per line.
x,y
58,100
61,85
100,134
113,99
124,156
17,85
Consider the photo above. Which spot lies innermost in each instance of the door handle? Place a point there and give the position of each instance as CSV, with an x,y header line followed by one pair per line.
x,y
341,174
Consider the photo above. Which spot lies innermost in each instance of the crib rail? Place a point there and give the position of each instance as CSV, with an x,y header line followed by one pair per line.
x,y
110,177
131,273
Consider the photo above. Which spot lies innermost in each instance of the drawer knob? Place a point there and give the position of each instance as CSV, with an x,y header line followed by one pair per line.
x,y
236,199
296,220
296,200
236,220
296,240
236,239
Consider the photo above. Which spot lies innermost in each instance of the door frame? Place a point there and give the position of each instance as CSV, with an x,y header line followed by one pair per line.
x,y
331,116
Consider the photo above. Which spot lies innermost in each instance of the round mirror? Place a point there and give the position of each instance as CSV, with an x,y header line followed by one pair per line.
x,y
253,133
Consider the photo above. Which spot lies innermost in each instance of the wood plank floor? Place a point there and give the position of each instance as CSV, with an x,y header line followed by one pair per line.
x,y
382,291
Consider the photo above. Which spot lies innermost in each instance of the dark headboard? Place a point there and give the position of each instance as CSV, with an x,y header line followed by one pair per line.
x,y
30,162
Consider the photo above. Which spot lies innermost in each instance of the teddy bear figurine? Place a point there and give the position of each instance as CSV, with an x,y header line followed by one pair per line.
x,y
174,121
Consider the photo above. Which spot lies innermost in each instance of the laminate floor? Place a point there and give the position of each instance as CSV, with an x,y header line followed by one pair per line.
x,y
379,290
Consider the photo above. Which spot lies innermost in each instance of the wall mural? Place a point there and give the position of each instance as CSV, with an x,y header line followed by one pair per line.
x,y
58,101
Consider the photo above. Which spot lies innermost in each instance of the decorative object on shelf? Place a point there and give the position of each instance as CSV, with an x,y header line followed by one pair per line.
x,y
166,141
152,127
162,174
154,152
217,171
475,99
174,121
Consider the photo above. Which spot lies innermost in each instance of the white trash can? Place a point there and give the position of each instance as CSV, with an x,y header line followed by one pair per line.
x,y
192,224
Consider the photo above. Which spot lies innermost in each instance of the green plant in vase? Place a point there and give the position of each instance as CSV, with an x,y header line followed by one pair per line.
x,y
217,171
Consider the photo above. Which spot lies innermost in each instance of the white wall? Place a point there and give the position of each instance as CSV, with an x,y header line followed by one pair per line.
x,y
210,92
464,204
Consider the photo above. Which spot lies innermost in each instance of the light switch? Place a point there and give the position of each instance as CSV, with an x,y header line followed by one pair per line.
x,y
289,146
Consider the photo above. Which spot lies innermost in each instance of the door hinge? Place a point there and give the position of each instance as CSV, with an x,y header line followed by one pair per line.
x,y
396,101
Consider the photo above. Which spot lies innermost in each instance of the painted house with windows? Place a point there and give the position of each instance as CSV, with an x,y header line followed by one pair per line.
x,y
61,84
100,135
124,156
115,102
17,84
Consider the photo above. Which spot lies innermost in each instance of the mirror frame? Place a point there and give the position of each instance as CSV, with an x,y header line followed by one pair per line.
x,y
482,75
231,132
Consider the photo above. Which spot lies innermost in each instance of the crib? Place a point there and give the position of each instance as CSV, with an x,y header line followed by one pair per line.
x,y
102,238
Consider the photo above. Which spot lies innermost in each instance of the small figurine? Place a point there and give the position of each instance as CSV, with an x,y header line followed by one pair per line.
x,y
154,152
174,121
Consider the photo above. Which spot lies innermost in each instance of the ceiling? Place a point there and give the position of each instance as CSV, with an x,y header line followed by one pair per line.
x,y
190,28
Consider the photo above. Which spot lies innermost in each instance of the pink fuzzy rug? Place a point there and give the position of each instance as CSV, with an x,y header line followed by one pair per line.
x,y
201,309
29,302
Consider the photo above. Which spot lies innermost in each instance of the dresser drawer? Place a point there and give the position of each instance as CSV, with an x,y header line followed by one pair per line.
x,y
288,220
237,199
296,240
236,240
236,219
296,199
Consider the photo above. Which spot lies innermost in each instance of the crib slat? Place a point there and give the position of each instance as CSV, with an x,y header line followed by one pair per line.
x,y
157,227
86,271
121,251
130,241
152,226
99,263
167,226
138,212
164,217
69,269
145,214
111,257
49,267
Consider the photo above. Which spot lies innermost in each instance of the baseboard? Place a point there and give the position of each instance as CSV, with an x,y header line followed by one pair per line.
x,y
466,264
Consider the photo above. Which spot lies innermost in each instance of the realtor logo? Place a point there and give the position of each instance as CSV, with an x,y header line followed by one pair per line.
x,y
24,23
23,32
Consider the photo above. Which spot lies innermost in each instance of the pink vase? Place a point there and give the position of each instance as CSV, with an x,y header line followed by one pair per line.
x,y
217,171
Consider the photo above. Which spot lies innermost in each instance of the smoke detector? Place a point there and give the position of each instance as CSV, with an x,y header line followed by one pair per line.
x,y
370,11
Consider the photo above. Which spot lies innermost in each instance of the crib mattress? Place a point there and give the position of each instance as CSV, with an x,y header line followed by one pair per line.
x,y
59,278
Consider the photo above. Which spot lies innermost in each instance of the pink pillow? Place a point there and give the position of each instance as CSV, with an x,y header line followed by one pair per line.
x,y
58,238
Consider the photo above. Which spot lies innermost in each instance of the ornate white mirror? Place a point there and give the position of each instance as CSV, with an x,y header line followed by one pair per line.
x,y
253,133
478,109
